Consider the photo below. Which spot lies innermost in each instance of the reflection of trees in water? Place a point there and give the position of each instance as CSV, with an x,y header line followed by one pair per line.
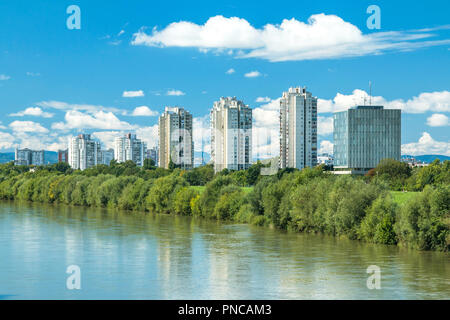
x,y
198,258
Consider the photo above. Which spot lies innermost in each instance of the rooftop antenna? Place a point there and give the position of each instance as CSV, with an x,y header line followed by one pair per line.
x,y
370,93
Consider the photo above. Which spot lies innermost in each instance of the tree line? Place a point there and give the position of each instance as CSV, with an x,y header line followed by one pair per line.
x,y
309,200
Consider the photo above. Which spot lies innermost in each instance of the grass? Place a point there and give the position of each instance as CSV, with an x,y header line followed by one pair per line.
x,y
401,197
202,188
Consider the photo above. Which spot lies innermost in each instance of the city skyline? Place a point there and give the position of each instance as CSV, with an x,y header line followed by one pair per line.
x,y
110,79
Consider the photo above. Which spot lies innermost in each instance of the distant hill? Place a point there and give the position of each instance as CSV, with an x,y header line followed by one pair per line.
x,y
50,157
428,158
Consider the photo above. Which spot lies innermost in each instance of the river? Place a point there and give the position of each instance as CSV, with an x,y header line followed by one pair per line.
x,y
126,255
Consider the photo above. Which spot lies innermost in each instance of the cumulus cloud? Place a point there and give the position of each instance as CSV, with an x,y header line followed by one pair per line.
x,y
27,126
98,120
438,101
437,120
320,37
252,74
60,105
174,92
33,111
266,128
4,77
201,134
326,147
144,111
262,99
426,145
6,140
149,135
230,71
107,137
324,125
133,94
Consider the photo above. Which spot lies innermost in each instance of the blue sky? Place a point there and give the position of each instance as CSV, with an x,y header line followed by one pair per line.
x,y
55,82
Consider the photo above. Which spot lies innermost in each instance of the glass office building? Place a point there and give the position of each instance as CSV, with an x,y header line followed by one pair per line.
x,y
365,135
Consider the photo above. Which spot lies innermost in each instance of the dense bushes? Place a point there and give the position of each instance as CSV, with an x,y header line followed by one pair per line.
x,y
309,200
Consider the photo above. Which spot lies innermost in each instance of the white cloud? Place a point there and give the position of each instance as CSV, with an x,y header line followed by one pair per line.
x,y
59,105
98,120
32,111
121,32
149,135
426,145
437,120
107,137
144,111
321,37
266,128
324,125
252,74
174,92
326,147
133,94
27,126
6,140
438,101
201,134
4,77
230,71
262,99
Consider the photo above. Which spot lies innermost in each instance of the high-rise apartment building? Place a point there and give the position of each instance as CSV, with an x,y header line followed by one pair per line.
x,y
84,152
129,147
365,135
29,157
106,156
298,129
63,156
175,138
231,134
152,153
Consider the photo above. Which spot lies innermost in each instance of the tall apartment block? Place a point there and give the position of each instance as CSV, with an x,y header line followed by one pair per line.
x,y
231,134
298,129
365,135
29,157
106,156
175,138
84,152
152,153
63,156
129,147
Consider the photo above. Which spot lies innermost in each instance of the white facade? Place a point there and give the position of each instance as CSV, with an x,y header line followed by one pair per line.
x,y
231,134
129,147
298,129
83,152
175,138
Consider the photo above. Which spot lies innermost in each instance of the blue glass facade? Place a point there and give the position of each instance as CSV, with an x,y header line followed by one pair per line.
x,y
365,135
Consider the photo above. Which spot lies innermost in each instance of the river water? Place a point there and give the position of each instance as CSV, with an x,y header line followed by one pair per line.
x,y
124,255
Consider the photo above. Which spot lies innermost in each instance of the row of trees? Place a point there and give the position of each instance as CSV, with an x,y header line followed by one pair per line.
x,y
400,177
310,200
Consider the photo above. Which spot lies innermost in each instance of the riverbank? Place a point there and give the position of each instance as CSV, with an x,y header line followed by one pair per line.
x,y
307,201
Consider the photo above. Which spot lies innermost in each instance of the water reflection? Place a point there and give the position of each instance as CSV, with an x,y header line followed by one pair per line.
x,y
144,256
